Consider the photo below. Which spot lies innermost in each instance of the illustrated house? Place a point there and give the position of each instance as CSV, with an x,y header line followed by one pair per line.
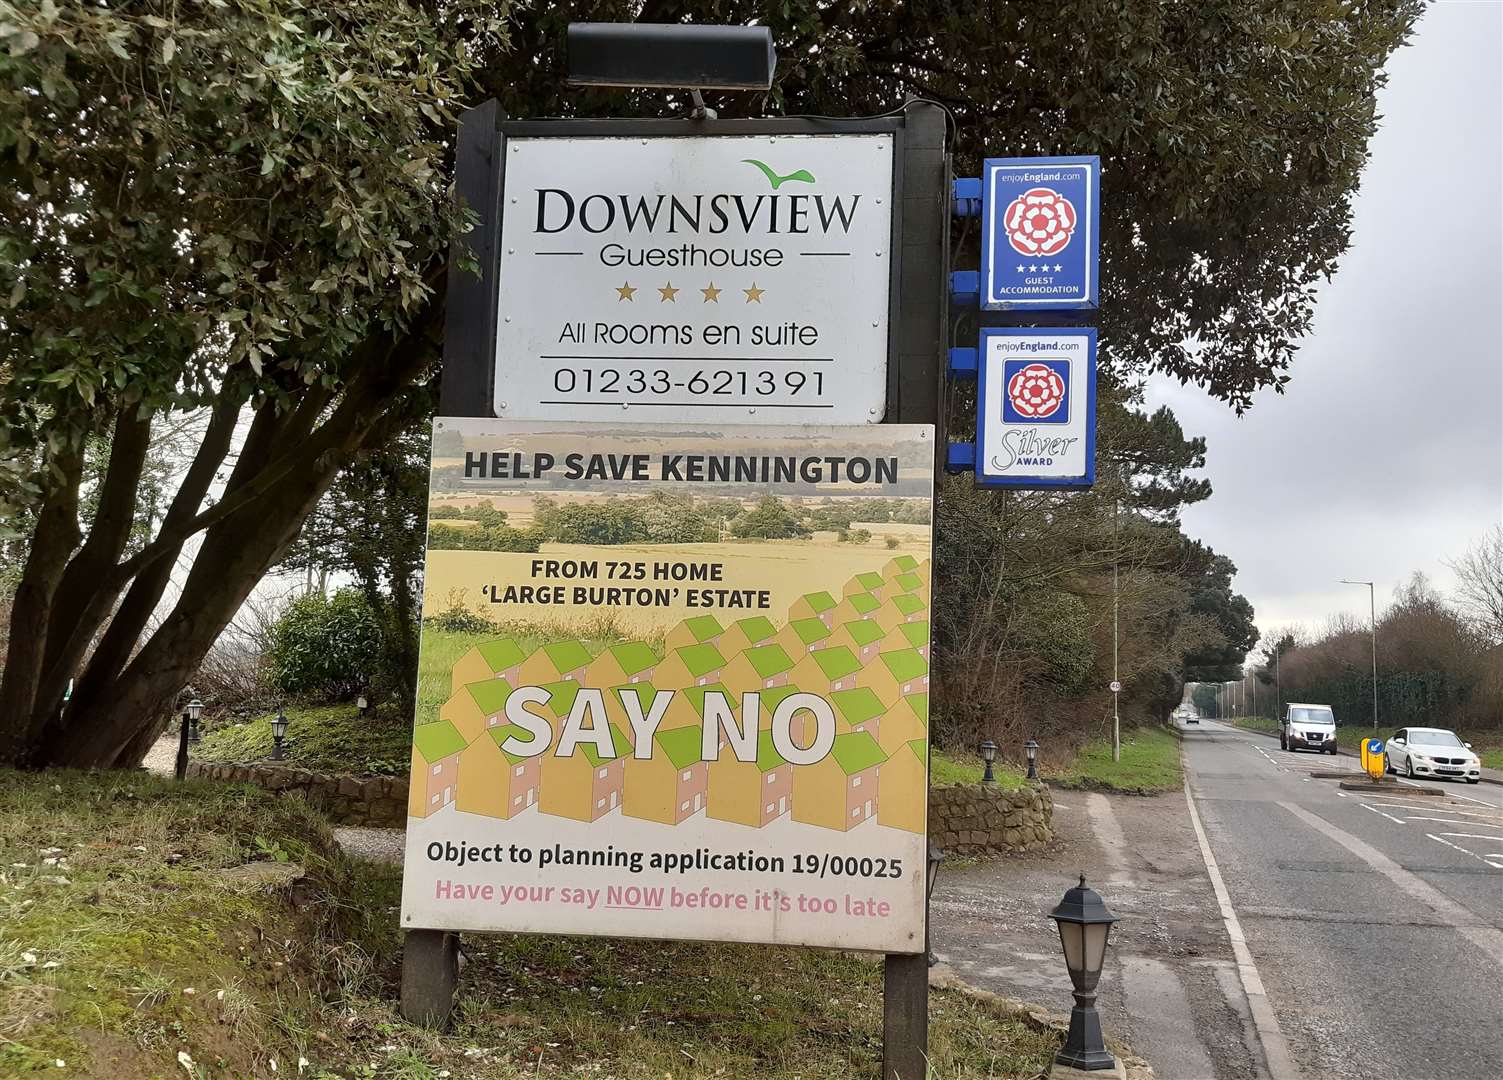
x,y
691,665
897,674
815,605
621,665
751,792
759,668
562,661
829,669
899,564
858,709
911,583
803,636
700,630
767,707
586,785
477,706
861,636
672,784
497,783
746,634
853,606
499,659
870,582
435,767
908,635
902,778
615,702
840,790
904,722
687,709
902,608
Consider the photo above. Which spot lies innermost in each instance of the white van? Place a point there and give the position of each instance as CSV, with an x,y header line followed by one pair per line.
x,y
1308,727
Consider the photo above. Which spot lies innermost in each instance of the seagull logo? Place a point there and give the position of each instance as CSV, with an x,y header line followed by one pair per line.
x,y
804,176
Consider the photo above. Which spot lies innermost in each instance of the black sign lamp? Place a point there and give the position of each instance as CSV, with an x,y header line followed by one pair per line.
x,y
278,733
1031,748
988,754
1084,926
936,856
672,56
195,710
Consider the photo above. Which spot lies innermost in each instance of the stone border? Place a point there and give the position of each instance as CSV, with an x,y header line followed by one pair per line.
x,y
984,819
348,800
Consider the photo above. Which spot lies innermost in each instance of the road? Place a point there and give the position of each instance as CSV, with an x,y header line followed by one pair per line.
x,y
1374,922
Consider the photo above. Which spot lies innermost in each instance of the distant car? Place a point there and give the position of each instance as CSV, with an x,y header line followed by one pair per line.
x,y
1433,752
1186,715
1308,727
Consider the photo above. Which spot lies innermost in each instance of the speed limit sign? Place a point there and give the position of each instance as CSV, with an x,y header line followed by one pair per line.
x,y
1116,687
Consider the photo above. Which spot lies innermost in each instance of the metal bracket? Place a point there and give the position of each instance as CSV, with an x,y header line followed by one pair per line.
x,y
701,111
965,288
961,457
964,362
966,197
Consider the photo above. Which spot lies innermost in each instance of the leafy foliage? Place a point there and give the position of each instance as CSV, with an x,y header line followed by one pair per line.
x,y
770,519
326,646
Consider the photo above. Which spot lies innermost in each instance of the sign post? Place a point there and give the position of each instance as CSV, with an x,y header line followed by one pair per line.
x,y
643,284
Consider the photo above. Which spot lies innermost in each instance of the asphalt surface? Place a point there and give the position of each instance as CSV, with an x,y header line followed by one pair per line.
x,y
1374,920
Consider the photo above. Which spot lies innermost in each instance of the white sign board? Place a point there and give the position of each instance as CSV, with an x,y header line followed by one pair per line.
x,y
724,279
1036,409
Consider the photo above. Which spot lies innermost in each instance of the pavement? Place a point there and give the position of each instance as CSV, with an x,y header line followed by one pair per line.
x,y
1318,933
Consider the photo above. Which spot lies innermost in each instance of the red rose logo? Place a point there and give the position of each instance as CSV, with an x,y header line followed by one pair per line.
x,y
1039,222
1036,392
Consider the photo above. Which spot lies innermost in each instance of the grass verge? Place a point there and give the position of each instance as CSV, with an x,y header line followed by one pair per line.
x,y
330,738
151,929
948,768
1149,764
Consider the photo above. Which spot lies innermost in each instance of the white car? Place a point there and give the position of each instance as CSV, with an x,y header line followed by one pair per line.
x,y
1433,752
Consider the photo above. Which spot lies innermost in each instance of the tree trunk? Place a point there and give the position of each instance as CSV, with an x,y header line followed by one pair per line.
x,y
53,541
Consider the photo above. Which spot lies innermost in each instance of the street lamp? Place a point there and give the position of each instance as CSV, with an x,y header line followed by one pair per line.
x,y
1084,926
1031,748
278,733
1372,614
935,857
988,755
186,734
195,710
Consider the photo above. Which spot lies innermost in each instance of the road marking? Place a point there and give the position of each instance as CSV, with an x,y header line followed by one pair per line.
x,y
1487,939
1459,848
1432,806
1374,809
1275,1049
1453,821
1474,836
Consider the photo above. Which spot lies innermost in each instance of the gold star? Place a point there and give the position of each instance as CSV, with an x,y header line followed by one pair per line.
x,y
625,292
754,293
669,293
712,294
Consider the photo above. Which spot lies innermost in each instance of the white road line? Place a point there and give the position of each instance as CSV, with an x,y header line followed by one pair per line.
x,y
1275,1049
1473,836
1453,821
1374,809
1431,806
1488,940
1459,848
1454,795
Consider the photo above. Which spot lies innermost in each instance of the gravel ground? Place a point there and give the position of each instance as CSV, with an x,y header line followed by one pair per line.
x,y
163,756
376,845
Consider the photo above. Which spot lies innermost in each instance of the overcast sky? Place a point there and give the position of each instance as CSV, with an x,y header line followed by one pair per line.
x,y
1385,453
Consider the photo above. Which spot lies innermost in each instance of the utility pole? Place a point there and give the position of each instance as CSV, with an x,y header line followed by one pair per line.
x,y
1116,677
1372,614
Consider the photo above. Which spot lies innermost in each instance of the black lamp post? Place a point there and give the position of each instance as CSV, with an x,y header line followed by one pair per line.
x,y
278,733
184,736
936,856
1031,748
988,755
1084,926
195,710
